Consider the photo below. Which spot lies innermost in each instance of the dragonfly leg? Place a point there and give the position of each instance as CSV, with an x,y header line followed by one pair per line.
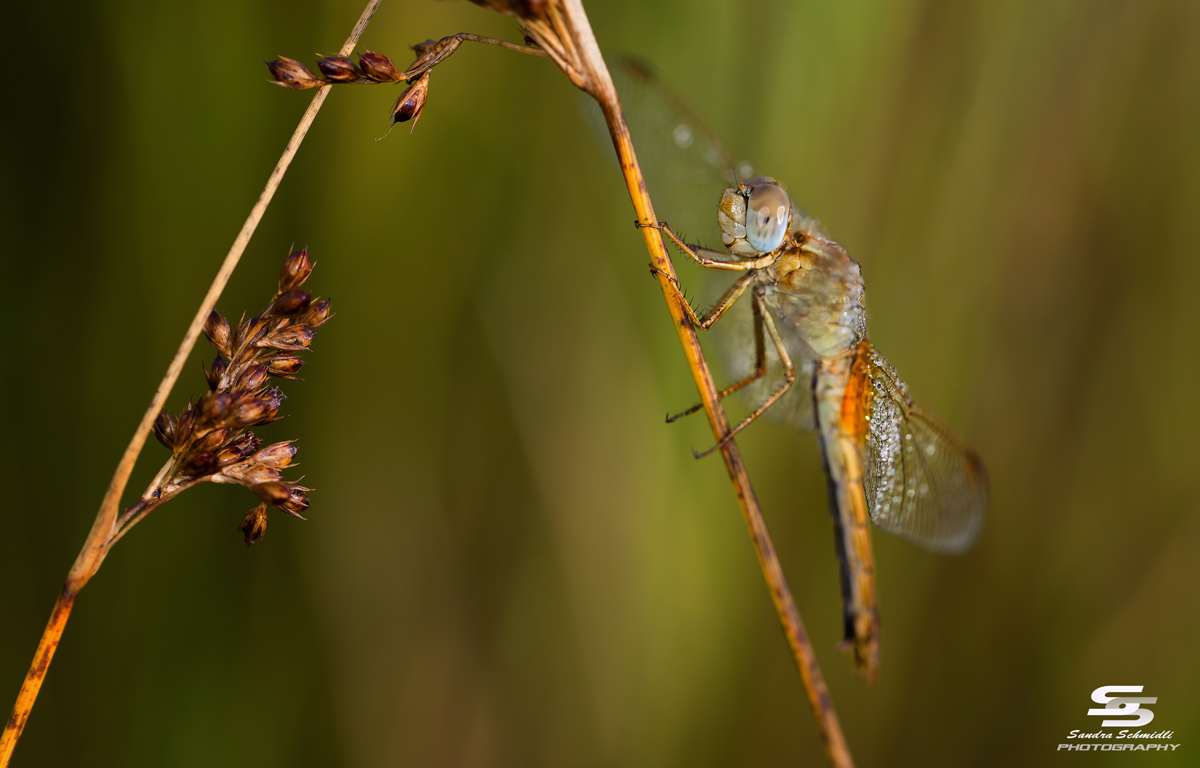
x,y
760,369
705,261
718,310
789,374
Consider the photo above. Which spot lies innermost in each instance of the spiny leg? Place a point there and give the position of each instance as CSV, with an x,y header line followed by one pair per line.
x,y
718,310
789,373
760,356
704,261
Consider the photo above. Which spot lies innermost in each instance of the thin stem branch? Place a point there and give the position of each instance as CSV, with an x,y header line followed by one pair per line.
x,y
104,533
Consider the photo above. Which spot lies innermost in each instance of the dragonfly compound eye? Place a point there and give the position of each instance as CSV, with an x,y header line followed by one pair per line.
x,y
767,217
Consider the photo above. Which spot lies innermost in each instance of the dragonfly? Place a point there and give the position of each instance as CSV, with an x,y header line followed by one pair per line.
x,y
887,460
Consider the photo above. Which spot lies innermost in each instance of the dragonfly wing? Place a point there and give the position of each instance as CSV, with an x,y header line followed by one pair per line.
x,y
686,165
921,483
736,341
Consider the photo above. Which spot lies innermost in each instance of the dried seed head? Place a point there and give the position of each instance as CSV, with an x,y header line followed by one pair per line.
x,y
292,339
213,375
338,69
378,67
200,463
215,408
183,428
276,455
286,367
211,441
250,331
411,103
254,524
296,269
318,312
296,502
274,493
238,448
164,429
253,410
216,330
253,474
290,73
290,303
252,378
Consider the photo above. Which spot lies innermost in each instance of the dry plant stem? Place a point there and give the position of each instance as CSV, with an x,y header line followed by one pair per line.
x,y
562,29
104,532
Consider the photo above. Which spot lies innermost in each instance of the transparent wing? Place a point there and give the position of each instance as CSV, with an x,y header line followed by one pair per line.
x,y
735,337
921,483
686,165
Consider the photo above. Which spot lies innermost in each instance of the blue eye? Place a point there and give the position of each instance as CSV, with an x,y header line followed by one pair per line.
x,y
767,217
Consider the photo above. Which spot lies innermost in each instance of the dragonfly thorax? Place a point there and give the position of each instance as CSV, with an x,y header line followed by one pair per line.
x,y
817,293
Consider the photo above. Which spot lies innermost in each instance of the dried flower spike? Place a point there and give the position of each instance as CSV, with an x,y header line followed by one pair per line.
x,y
290,73
210,441
412,102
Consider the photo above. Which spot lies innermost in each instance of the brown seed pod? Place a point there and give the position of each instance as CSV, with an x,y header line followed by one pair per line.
x,y
254,524
296,269
339,69
276,455
293,339
211,441
378,67
215,408
296,502
411,103
254,377
164,429
200,463
213,375
318,312
274,493
238,448
216,330
286,367
290,303
290,73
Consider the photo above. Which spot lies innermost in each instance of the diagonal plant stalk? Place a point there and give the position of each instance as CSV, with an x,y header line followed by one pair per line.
x,y
562,32
105,530
599,85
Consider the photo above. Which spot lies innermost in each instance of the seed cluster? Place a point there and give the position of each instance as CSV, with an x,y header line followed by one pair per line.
x,y
210,440
372,68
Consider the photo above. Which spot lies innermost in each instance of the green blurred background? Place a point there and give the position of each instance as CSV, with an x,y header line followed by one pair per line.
x,y
510,560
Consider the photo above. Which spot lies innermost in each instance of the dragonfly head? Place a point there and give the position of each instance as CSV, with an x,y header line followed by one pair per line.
x,y
754,217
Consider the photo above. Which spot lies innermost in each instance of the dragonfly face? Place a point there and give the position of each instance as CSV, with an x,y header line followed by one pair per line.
x,y
755,217
887,459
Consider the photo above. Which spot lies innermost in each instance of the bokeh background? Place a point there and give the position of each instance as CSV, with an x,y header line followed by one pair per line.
x,y
511,560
